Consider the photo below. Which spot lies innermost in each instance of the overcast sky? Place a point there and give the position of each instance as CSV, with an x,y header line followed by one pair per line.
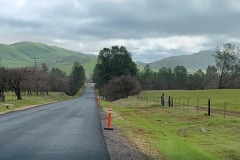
x,y
150,29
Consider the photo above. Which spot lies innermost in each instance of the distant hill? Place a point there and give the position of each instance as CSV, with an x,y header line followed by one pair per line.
x,y
195,61
21,54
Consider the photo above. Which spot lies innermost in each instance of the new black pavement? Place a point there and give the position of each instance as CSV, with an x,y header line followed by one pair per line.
x,y
66,130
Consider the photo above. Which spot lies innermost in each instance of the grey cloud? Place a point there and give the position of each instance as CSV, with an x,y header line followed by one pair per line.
x,y
94,20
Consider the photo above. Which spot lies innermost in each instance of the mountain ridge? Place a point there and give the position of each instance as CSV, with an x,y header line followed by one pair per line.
x,y
199,60
20,54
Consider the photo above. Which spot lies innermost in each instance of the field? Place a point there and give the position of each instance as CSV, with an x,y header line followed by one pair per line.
x,y
200,97
11,103
180,133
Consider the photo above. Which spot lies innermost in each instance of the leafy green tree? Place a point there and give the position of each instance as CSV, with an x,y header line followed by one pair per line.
x,y
196,80
211,77
227,63
121,87
146,77
113,62
165,77
77,78
180,75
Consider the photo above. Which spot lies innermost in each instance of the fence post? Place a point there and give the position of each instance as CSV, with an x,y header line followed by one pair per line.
x,y
169,101
162,99
179,103
209,107
225,107
197,105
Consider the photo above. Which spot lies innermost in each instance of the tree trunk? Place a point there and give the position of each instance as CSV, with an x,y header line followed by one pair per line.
x,y
18,93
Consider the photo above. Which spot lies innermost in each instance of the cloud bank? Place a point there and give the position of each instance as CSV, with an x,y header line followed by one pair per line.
x,y
150,30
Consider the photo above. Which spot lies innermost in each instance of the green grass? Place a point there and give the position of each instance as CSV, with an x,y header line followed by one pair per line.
x,y
217,96
20,54
176,133
28,101
11,103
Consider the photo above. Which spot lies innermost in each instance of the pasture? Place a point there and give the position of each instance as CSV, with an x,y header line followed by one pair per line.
x,y
181,133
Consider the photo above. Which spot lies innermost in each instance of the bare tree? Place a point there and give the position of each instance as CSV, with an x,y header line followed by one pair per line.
x,y
15,77
3,83
227,62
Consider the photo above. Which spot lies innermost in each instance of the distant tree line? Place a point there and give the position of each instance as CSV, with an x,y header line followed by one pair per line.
x,y
31,80
226,74
116,75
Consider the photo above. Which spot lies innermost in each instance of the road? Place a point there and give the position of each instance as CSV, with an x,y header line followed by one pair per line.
x,y
66,130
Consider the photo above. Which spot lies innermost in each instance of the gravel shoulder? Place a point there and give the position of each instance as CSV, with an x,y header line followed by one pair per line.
x,y
119,147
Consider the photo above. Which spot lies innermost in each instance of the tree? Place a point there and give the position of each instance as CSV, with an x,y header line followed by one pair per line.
x,y
146,77
45,67
77,78
14,78
113,63
58,81
196,80
165,77
3,82
211,77
180,75
121,87
227,63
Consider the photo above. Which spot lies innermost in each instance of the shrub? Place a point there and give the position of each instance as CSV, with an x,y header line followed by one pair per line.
x,y
121,87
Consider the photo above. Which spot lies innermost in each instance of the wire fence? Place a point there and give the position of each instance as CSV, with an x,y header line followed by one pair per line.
x,y
206,106
11,96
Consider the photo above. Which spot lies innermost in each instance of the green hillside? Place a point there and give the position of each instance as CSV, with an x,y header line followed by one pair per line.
x,y
195,61
21,54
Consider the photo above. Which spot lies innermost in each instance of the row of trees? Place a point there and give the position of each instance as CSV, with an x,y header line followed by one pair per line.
x,y
115,70
178,78
31,80
226,74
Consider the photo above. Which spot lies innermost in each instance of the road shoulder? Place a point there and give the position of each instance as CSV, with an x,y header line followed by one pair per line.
x,y
118,146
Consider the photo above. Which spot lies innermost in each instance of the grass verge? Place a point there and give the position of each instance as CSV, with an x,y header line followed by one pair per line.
x,y
177,133
11,103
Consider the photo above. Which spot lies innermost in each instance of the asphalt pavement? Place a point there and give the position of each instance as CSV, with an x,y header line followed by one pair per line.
x,y
66,130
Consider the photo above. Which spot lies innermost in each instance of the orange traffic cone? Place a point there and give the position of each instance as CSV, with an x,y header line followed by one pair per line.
x,y
109,119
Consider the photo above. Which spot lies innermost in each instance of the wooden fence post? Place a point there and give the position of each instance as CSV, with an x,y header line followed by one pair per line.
x,y
162,99
169,101
179,103
197,105
225,107
209,104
